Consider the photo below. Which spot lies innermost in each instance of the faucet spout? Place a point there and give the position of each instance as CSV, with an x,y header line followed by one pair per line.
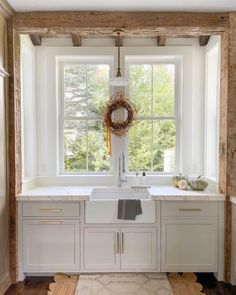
x,y
121,170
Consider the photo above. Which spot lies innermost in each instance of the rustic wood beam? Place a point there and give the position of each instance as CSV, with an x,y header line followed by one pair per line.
x,y
76,39
5,9
36,40
14,143
132,23
203,40
161,40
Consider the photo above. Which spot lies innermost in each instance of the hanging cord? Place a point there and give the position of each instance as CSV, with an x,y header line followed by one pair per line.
x,y
118,43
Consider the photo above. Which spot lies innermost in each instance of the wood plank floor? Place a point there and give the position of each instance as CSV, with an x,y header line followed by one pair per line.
x,y
39,286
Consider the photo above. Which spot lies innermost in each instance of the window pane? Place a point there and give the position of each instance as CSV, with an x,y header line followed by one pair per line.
x,y
75,90
163,89
140,89
75,146
164,146
98,88
85,146
98,158
140,146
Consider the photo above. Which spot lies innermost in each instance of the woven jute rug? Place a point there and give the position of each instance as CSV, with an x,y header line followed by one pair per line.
x,y
130,284
64,285
185,284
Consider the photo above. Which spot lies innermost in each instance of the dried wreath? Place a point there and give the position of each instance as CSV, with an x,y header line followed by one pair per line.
x,y
118,101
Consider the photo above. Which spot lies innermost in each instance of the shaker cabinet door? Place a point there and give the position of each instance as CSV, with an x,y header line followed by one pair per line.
x,y
101,249
51,245
138,249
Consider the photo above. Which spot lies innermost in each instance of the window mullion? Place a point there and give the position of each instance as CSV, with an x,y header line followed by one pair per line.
x,y
87,131
152,123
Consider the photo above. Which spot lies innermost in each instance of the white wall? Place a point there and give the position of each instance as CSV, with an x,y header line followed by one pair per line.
x,y
191,102
212,98
28,107
45,137
4,217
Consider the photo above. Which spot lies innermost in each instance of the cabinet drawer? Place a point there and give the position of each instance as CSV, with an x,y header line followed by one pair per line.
x,y
189,208
51,209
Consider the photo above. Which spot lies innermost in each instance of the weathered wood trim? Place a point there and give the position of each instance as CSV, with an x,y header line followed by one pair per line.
x,y
133,23
5,9
161,40
36,40
76,39
203,40
14,142
5,284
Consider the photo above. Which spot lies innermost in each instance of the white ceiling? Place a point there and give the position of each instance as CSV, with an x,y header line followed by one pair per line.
x,y
124,5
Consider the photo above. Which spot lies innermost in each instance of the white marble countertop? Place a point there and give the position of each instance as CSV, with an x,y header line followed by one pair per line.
x,y
82,193
233,200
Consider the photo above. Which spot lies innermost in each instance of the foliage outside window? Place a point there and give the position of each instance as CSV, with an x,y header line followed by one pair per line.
x,y
152,141
86,89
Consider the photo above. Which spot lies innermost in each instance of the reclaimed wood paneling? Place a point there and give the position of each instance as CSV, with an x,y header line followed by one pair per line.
x,y
5,9
133,23
14,138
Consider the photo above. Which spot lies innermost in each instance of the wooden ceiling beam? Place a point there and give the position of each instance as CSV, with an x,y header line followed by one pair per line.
x,y
76,39
36,40
161,41
203,40
133,23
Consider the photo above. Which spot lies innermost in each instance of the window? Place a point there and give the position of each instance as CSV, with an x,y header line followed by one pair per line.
x,y
152,140
151,144
85,90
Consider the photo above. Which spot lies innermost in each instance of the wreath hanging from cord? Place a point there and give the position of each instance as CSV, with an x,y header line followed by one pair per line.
x,y
118,127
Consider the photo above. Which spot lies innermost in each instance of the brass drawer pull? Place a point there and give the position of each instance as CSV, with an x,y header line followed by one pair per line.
x,y
117,243
190,209
122,243
51,222
50,210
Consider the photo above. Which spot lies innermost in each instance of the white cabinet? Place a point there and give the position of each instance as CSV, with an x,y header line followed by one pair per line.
x,y
138,249
128,248
50,245
101,249
189,239
233,261
189,245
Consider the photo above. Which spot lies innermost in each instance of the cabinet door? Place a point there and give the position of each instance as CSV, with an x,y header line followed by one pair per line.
x,y
233,263
189,244
50,245
101,249
138,249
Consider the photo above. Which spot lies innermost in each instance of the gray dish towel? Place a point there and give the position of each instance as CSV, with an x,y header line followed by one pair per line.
x,y
129,209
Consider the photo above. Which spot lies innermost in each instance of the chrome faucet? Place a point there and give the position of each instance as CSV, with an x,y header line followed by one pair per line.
x,y
121,177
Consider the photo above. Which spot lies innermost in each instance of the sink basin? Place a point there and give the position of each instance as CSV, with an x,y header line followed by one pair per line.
x,y
115,193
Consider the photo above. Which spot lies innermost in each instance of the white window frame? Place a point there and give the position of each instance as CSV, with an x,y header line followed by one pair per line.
x,y
118,144
145,59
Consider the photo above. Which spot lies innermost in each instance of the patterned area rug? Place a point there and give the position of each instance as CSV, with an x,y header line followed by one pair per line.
x,y
124,283
127,284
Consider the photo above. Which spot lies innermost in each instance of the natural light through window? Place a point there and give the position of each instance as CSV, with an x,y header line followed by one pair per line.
x,y
152,141
86,89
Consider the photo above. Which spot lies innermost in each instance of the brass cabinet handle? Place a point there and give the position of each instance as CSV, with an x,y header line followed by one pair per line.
x,y
50,210
117,243
190,209
51,222
122,243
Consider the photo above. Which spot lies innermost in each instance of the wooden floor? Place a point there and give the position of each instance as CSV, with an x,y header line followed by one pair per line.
x,y
39,286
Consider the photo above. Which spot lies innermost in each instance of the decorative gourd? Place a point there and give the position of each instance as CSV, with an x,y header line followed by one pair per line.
x,y
198,183
176,179
183,184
